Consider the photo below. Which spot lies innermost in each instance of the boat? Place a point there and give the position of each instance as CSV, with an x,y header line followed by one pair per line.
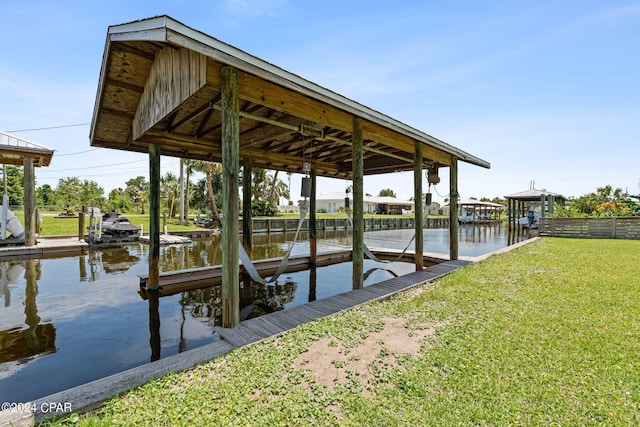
x,y
114,224
532,220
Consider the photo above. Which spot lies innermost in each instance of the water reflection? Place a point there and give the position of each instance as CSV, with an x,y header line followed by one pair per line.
x,y
24,343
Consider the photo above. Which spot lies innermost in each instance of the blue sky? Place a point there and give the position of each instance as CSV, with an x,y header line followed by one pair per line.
x,y
547,91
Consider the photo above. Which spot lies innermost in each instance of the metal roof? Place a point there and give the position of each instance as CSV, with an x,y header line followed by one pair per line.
x,y
533,195
160,83
13,150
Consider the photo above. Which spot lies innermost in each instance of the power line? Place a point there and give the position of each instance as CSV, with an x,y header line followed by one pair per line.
x,y
47,128
73,154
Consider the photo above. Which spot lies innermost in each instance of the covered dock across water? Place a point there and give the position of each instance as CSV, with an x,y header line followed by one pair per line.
x,y
167,89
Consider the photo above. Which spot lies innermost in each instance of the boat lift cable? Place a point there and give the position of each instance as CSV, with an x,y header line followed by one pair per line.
x,y
371,255
248,264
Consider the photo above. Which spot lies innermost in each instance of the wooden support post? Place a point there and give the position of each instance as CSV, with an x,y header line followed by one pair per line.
x,y
29,202
247,172
417,197
230,166
154,216
313,234
358,205
453,203
181,205
81,226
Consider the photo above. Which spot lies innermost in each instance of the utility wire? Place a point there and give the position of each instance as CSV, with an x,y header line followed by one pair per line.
x,y
73,154
47,128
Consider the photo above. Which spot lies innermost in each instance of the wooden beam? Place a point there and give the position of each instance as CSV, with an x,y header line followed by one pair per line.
x,y
418,214
29,201
230,175
263,92
453,211
358,206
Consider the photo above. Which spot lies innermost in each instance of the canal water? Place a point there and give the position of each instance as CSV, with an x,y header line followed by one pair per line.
x,y
69,320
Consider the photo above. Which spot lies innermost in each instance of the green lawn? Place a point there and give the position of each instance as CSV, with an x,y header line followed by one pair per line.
x,y
547,334
52,226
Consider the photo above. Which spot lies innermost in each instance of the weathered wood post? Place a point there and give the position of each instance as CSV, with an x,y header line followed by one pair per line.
x,y
154,251
29,202
247,229
154,216
358,205
230,167
453,212
417,197
81,225
313,234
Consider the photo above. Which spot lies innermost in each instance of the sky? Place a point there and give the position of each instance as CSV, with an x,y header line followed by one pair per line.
x,y
547,91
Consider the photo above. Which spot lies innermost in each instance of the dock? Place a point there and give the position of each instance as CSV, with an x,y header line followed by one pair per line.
x,y
167,239
45,247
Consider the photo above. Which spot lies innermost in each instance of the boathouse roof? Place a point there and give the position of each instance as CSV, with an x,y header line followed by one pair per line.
x,y
534,195
160,83
13,150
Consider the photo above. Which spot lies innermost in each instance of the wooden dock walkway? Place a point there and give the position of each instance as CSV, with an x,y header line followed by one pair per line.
x,y
273,324
45,247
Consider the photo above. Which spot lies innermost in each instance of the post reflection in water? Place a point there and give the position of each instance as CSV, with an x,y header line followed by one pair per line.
x,y
154,324
20,345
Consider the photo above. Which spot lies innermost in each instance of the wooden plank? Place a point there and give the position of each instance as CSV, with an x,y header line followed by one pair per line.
x,y
265,326
239,335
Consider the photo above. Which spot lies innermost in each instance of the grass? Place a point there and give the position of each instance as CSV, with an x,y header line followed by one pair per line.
x,y
52,226
548,334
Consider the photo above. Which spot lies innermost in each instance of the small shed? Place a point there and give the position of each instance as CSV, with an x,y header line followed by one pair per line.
x,y
20,152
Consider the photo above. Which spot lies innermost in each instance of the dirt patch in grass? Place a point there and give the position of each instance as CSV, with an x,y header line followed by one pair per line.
x,y
331,364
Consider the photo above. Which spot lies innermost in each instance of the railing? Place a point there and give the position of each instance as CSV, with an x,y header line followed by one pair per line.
x,y
621,227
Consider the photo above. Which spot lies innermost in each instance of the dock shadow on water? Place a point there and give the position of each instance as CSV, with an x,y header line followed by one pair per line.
x,y
65,321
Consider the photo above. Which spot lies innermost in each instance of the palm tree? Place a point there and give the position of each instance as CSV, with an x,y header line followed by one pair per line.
x,y
169,190
210,169
188,171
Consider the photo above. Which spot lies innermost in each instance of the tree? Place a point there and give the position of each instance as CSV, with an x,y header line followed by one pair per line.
x,y
45,195
170,192
213,175
138,191
68,192
91,194
387,192
15,184
119,201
